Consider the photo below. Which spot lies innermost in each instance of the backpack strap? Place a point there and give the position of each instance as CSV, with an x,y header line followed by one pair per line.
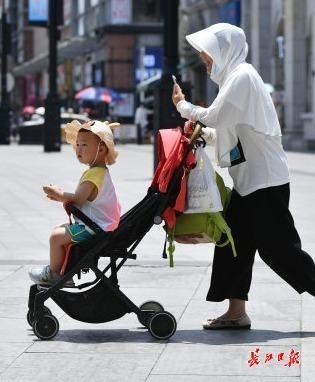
x,y
171,247
224,228
66,259
164,254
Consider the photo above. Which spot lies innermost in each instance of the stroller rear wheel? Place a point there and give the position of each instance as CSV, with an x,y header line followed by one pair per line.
x,y
30,315
162,325
47,327
150,307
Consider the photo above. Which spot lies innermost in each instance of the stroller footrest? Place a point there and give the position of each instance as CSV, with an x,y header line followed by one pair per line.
x,y
121,255
131,256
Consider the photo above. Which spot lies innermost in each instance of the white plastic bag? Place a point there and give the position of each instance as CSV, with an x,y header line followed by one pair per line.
x,y
202,191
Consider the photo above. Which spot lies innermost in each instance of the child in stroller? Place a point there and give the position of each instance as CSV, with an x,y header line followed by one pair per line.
x,y
95,195
101,300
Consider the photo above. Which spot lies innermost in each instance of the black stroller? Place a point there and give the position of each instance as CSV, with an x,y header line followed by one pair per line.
x,y
101,300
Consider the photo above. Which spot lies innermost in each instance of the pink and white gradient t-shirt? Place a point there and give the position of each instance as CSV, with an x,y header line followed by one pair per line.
x,y
105,209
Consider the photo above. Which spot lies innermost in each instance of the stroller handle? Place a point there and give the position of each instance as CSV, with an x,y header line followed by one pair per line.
x,y
197,132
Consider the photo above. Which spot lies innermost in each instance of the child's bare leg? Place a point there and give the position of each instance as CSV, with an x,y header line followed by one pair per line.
x,y
59,239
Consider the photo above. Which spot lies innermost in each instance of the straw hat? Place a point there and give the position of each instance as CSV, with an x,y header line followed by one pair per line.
x,y
101,129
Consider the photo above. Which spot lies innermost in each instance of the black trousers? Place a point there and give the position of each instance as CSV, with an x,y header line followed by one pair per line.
x,y
260,221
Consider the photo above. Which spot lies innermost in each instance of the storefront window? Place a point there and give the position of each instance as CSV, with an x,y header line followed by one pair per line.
x,y
147,10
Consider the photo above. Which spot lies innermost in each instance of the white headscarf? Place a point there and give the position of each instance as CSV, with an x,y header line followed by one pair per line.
x,y
239,85
225,44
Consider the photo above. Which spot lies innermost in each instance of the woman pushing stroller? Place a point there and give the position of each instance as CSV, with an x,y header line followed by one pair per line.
x,y
243,123
95,194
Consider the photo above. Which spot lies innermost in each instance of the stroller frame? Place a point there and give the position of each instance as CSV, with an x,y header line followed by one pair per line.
x,y
151,314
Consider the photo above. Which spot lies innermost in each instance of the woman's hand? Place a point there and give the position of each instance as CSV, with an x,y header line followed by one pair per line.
x,y
188,127
53,193
177,94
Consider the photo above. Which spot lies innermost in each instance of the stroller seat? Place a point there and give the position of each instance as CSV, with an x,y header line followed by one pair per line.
x,y
102,300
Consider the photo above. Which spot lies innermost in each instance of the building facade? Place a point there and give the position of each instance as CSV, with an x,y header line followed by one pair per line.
x,y
281,38
112,43
118,43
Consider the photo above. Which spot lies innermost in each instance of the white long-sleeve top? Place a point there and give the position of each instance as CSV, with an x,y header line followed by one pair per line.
x,y
248,135
265,163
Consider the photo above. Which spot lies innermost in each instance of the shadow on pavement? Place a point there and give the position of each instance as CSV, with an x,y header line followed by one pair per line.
x,y
141,335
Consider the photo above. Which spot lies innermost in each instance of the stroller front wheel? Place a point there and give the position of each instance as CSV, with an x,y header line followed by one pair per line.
x,y
47,327
162,325
30,315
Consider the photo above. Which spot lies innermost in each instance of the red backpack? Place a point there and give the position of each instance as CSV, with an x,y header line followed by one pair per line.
x,y
175,154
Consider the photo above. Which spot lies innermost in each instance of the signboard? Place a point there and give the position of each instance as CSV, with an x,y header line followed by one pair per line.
x,y
230,12
38,12
120,11
149,63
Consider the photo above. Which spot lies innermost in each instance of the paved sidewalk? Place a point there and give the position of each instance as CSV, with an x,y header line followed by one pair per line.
x,y
282,321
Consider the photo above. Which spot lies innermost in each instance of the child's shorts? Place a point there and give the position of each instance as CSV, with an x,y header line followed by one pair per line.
x,y
78,232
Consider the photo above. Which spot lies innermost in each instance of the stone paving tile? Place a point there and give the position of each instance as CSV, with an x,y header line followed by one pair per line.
x,y
307,312
33,367
13,307
17,307
308,364
216,378
7,270
149,277
15,330
222,360
4,251
100,341
9,352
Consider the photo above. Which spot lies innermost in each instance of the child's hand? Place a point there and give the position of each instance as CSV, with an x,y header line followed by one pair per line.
x,y
177,94
53,192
